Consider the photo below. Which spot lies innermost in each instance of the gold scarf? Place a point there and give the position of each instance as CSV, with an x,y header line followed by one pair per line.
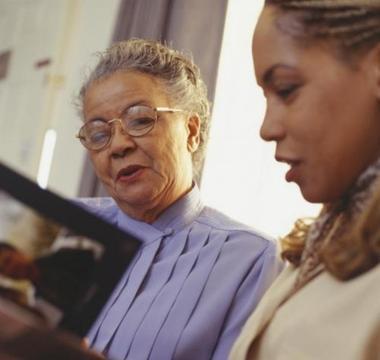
x,y
334,221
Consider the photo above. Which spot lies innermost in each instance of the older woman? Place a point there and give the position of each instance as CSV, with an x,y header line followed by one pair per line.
x,y
318,62
199,273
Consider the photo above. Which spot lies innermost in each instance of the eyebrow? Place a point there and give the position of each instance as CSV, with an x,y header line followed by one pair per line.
x,y
123,112
268,75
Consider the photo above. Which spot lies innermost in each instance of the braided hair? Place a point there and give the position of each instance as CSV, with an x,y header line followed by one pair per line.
x,y
353,25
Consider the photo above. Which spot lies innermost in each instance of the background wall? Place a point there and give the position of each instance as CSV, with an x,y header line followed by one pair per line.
x,y
29,33
50,41
94,27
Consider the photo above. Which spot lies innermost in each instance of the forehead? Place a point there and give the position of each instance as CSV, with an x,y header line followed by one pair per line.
x,y
115,92
270,45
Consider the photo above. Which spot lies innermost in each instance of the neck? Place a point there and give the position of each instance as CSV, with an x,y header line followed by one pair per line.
x,y
149,213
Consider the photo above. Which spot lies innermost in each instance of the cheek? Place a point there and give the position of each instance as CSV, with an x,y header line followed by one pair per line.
x,y
316,125
100,163
169,153
165,159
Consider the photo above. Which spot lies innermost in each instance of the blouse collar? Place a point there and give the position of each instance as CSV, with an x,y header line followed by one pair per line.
x,y
174,218
180,213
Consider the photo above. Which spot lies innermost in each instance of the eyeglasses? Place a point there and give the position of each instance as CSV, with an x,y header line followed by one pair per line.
x,y
137,121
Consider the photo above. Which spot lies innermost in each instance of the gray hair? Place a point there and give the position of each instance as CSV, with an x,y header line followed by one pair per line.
x,y
176,71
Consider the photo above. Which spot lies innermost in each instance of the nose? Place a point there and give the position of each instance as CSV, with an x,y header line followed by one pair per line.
x,y
121,142
272,128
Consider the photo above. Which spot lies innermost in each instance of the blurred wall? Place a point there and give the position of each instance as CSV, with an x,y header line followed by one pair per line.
x,y
29,35
47,43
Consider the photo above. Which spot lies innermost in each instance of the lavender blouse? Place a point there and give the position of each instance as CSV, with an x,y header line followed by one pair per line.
x,y
194,282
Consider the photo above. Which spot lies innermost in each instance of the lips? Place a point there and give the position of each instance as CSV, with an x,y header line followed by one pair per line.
x,y
129,172
292,174
287,160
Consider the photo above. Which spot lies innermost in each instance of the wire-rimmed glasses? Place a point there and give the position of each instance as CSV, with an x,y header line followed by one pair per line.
x,y
136,121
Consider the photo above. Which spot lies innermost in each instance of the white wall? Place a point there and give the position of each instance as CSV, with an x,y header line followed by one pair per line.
x,y
34,100
94,25
30,31
241,177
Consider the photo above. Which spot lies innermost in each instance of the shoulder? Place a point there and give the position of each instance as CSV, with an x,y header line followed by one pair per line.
x,y
237,232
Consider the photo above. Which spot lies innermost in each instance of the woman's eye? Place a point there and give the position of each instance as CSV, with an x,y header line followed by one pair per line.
x,y
141,122
285,92
99,136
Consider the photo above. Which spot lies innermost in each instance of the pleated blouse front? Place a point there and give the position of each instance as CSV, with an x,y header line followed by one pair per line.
x,y
190,288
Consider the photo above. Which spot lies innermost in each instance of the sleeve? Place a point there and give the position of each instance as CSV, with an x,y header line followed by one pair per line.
x,y
262,274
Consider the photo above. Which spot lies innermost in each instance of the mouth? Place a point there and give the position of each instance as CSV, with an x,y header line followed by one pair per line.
x,y
292,173
130,172
287,160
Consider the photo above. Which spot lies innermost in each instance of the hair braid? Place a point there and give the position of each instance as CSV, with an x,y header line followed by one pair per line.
x,y
325,4
351,23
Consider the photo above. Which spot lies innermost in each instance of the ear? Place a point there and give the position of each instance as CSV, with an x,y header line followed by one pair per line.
x,y
193,132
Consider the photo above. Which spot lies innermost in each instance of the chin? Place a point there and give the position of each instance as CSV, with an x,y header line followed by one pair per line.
x,y
133,198
311,193
319,196
312,198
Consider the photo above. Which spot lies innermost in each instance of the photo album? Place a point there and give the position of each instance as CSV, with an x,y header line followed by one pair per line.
x,y
58,262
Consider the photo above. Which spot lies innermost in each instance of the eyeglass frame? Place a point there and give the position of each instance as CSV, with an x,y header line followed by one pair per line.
x,y
120,120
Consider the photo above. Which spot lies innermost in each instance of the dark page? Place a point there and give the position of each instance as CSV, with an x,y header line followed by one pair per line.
x,y
58,262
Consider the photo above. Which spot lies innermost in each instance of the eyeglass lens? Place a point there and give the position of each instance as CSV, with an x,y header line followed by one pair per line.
x,y
136,121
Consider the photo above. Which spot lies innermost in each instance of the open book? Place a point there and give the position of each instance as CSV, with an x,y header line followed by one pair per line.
x,y
58,262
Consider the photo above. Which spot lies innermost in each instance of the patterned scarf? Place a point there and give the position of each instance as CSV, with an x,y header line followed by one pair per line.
x,y
335,220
